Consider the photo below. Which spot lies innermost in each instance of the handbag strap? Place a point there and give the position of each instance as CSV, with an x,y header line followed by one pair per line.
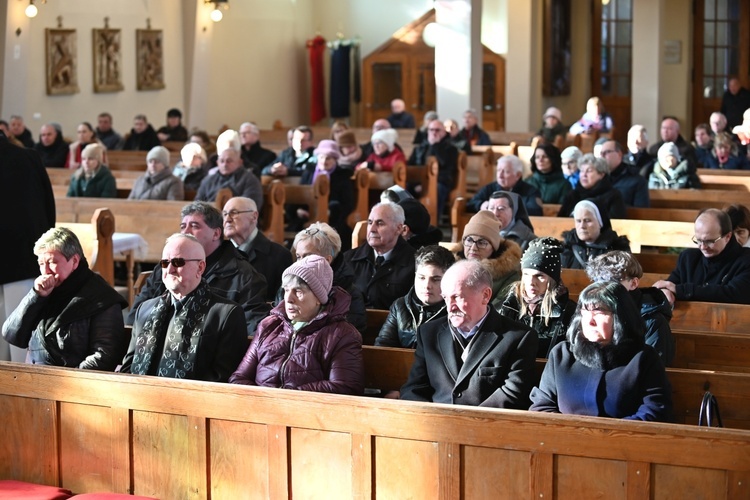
x,y
709,411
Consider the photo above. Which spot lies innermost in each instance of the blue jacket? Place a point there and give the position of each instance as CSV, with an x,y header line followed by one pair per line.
x,y
635,390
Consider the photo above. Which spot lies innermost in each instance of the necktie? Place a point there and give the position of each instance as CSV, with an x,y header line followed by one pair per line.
x,y
379,261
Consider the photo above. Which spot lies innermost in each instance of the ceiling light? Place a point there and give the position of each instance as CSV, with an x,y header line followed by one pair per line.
x,y
31,10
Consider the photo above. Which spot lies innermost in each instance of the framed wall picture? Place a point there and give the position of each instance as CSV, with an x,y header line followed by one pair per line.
x,y
107,60
557,49
150,59
62,62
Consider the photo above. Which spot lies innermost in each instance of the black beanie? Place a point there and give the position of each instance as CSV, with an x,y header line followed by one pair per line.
x,y
543,254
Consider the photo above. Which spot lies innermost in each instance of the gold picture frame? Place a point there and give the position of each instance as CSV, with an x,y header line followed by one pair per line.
x,y
149,59
62,61
107,59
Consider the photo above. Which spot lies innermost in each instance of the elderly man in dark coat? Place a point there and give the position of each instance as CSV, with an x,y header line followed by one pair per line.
x,y
477,357
188,332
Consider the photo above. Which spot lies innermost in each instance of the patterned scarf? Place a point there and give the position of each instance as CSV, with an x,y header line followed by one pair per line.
x,y
180,339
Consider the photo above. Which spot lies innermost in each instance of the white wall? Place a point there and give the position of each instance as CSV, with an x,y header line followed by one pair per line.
x,y
24,78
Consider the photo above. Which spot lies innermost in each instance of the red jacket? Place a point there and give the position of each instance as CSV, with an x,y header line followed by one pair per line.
x,y
323,356
387,161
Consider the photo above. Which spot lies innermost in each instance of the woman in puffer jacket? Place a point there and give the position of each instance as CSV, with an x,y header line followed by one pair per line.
x,y
306,342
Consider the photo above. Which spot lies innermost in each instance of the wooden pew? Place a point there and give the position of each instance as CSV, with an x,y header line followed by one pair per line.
x,y
361,180
154,220
427,177
314,196
96,241
641,233
696,199
460,189
272,214
128,434
737,180
387,369
728,352
134,160
375,319
60,179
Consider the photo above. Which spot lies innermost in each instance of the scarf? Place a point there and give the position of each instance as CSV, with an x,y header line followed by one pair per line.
x,y
83,294
178,332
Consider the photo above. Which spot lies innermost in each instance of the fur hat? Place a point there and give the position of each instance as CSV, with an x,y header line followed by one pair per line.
x,y
388,136
668,149
315,271
347,139
417,216
329,148
160,154
571,153
190,150
553,111
543,254
485,224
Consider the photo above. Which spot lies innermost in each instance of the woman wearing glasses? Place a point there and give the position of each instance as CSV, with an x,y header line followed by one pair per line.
x,y
306,343
501,257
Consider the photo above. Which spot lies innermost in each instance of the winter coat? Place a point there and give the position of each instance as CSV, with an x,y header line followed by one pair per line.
x,y
590,123
177,134
230,275
656,311
325,355
550,333
393,279
632,187
219,349
687,152
55,155
553,186
475,136
447,158
386,161
296,165
111,139
603,194
576,253
642,161
268,258
633,386
528,193
723,278
679,177
144,141
162,186
550,134
101,185
406,315
78,325
24,186
257,155
241,182
519,233
340,196
734,162
499,370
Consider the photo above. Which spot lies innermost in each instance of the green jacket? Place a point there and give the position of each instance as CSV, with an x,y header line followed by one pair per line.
x,y
102,185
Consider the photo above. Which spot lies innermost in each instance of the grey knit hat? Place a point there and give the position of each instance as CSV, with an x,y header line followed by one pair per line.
x,y
160,154
315,271
543,254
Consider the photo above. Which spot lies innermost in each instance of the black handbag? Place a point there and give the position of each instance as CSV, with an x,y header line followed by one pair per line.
x,y
709,413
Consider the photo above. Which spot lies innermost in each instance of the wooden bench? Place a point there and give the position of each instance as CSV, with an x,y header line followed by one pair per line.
x,y
387,369
96,241
154,220
125,179
728,352
426,176
736,180
697,199
134,160
90,431
314,196
460,187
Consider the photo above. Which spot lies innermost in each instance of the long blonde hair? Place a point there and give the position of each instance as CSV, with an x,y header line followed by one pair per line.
x,y
548,301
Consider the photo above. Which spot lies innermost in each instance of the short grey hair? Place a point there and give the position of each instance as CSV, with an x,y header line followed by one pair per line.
x,y
324,238
476,275
599,164
397,213
211,214
59,239
515,162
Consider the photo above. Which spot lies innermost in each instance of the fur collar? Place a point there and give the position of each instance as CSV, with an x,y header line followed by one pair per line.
x,y
507,262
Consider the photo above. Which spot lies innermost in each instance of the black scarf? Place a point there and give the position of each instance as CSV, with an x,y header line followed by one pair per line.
x,y
180,342
83,294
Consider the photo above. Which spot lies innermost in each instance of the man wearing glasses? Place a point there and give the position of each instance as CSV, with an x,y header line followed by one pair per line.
x,y
189,332
625,178
267,257
228,272
717,271
438,145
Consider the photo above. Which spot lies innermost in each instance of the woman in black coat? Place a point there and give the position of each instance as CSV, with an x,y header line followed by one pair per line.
x,y
605,369
594,184
593,235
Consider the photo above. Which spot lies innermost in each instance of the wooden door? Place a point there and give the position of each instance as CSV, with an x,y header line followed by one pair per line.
x,y
385,77
493,91
721,48
611,56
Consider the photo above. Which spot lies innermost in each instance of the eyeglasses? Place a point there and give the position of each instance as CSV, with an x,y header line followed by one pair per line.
x,y
434,130
706,243
234,213
480,243
311,231
176,262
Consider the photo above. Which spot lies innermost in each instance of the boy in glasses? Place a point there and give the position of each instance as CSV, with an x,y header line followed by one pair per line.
x,y
717,271
189,332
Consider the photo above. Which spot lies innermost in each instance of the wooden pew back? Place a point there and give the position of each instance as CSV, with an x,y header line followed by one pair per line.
x,y
127,434
96,241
